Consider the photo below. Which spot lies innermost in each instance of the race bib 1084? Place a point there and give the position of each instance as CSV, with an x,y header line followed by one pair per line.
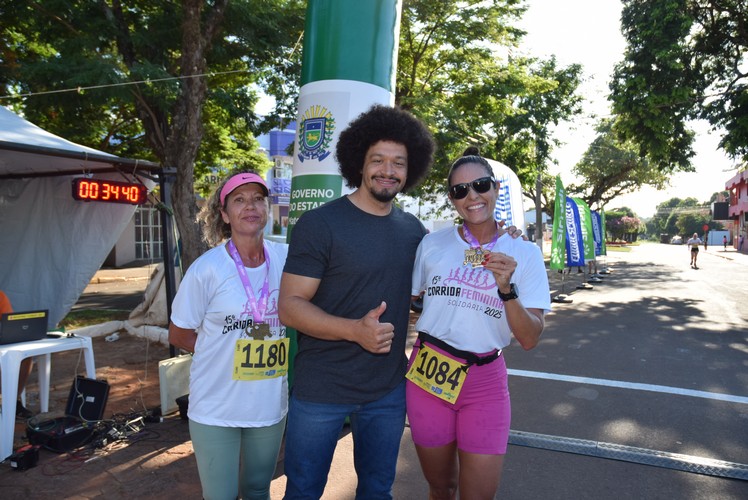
x,y
437,374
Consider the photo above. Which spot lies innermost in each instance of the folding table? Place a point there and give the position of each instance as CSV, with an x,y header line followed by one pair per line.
x,y
11,356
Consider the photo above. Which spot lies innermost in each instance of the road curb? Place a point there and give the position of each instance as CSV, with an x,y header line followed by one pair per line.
x,y
110,279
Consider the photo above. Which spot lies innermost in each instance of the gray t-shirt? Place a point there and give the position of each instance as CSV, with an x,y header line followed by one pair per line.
x,y
361,260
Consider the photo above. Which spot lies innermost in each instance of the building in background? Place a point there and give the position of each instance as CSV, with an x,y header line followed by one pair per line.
x,y
738,206
278,145
140,241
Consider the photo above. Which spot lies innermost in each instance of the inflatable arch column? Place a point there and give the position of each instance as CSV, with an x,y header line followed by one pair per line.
x,y
348,64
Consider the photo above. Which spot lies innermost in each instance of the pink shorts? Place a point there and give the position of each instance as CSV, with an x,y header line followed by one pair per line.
x,y
478,421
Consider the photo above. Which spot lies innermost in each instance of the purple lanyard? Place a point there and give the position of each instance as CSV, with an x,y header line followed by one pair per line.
x,y
258,309
474,242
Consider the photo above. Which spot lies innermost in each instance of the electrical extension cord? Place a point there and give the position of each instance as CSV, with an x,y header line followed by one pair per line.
x,y
122,426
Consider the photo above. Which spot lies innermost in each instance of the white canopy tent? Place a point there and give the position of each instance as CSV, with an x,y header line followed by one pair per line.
x,y
50,244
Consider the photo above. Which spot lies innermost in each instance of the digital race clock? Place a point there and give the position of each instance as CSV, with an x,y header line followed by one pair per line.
x,y
109,191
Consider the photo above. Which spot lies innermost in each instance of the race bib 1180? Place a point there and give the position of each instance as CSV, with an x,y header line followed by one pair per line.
x,y
260,359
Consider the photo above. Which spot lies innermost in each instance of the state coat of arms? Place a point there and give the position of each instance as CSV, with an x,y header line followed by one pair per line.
x,y
315,133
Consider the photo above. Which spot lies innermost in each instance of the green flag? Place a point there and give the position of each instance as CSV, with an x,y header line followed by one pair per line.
x,y
558,237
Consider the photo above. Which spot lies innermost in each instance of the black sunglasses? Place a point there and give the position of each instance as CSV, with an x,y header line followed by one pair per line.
x,y
459,191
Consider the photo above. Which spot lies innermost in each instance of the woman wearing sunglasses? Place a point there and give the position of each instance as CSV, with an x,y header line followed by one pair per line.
x,y
480,287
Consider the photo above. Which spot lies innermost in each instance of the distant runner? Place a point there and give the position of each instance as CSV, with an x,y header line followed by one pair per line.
x,y
693,244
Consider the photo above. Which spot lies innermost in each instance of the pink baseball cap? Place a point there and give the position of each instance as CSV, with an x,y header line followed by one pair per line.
x,y
240,180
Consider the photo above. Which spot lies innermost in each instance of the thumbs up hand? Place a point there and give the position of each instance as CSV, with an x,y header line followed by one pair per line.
x,y
374,336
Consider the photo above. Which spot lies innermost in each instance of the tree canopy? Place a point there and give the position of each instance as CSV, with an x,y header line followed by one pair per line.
x,y
456,72
170,81
682,216
622,224
685,60
611,168
177,83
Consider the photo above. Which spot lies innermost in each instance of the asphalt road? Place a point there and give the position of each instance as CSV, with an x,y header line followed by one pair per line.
x,y
117,289
649,363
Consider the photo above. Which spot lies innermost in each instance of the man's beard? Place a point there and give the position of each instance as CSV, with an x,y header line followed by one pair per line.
x,y
384,196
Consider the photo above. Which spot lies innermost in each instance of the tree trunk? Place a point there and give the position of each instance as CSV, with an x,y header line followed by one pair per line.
x,y
186,130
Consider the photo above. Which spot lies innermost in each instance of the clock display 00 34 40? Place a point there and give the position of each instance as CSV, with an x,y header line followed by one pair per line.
x,y
109,191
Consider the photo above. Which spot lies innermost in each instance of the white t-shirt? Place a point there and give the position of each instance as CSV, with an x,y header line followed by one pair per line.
x,y
461,305
212,300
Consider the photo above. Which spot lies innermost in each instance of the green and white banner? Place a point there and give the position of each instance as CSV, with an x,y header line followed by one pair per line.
x,y
349,64
325,109
558,237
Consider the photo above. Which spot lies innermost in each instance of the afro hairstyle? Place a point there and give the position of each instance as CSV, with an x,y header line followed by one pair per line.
x,y
384,123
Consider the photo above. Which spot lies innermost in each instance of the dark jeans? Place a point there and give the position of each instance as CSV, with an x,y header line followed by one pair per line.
x,y
312,435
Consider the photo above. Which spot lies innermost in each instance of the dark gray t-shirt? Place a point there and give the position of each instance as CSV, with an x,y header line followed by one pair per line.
x,y
361,260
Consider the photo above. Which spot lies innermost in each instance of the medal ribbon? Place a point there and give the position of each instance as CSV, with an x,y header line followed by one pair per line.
x,y
473,242
258,308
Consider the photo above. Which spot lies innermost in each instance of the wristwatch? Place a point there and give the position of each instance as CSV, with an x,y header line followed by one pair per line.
x,y
509,296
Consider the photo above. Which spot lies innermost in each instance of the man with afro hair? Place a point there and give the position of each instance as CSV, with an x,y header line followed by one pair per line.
x,y
346,290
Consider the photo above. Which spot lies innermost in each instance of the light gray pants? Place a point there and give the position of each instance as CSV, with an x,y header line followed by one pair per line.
x,y
236,461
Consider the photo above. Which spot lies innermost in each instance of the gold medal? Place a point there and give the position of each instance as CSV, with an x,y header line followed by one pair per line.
x,y
258,331
474,257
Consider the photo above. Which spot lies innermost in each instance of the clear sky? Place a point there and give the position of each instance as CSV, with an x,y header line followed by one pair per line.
x,y
588,32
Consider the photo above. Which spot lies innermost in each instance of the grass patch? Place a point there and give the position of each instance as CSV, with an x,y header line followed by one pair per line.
x,y
616,248
88,317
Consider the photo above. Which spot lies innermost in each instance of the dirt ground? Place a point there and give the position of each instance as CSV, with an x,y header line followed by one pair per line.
x,y
156,462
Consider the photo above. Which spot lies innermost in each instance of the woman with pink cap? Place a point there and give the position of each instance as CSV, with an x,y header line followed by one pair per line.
x,y
226,314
